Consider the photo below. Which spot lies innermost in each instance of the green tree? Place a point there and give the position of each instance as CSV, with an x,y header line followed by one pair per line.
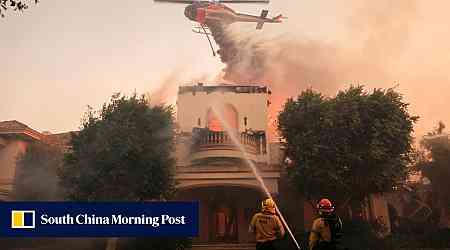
x,y
14,5
122,153
349,146
435,165
39,162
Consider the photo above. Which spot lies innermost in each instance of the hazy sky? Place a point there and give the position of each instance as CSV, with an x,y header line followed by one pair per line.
x,y
60,56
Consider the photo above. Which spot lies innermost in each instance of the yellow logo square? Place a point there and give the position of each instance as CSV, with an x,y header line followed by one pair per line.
x,y
22,219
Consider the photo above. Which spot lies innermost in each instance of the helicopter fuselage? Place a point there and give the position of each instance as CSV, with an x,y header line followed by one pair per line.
x,y
202,12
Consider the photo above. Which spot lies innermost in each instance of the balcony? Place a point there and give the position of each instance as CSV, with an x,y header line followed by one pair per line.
x,y
218,144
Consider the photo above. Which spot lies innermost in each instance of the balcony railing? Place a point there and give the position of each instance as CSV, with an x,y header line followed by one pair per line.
x,y
253,143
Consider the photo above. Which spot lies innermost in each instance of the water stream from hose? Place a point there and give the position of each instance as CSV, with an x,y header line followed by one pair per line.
x,y
238,144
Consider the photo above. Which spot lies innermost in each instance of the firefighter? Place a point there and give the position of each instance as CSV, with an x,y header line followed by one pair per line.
x,y
266,226
326,229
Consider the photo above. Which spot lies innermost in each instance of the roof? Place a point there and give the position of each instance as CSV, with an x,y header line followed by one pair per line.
x,y
61,140
236,88
17,128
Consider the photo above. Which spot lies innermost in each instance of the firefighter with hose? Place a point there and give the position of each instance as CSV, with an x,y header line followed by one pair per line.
x,y
266,226
326,229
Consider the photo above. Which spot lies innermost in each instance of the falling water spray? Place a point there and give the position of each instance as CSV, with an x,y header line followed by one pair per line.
x,y
252,166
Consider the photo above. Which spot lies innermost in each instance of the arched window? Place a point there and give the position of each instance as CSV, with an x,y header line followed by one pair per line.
x,y
228,113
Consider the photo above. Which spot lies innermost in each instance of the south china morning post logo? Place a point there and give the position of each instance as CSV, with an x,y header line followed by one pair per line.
x,y
26,219
99,219
113,219
23,219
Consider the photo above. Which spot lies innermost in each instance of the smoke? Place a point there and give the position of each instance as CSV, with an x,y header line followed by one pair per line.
x,y
383,28
378,38
405,40
166,92
279,61
285,64
39,162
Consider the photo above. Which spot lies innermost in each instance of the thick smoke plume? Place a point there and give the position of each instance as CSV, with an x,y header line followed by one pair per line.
x,y
378,35
285,64
287,60
251,58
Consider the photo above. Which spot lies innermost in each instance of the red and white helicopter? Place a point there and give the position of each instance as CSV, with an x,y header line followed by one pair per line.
x,y
203,12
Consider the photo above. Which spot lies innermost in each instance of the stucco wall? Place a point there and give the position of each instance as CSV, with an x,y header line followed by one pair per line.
x,y
8,157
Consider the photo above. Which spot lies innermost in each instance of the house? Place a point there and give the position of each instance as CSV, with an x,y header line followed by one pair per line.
x,y
226,160
14,138
212,169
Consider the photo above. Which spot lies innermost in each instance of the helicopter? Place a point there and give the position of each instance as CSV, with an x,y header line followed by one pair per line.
x,y
204,12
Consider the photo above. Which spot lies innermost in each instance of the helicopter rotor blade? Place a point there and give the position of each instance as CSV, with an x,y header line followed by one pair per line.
x,y
212,1
244,1
175,1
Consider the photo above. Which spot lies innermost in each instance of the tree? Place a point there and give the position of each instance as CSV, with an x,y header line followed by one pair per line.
x,y
349,146
15,5
122,153
39,162
435,165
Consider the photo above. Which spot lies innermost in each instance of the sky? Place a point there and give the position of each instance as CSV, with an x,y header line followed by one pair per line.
x,y
60,56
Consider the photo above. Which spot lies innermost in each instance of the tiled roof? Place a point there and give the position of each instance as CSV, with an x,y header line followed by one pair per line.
x,y
12,125
61,140
17,128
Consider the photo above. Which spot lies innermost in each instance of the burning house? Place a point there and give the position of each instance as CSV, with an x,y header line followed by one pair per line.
x,y
212,169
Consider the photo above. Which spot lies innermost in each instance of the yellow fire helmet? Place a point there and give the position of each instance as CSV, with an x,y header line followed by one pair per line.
x,y
268,205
